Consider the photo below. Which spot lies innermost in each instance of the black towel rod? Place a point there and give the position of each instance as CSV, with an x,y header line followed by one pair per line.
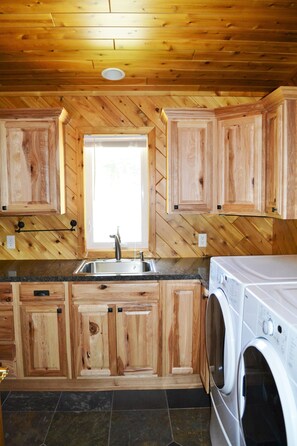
x,y
21,225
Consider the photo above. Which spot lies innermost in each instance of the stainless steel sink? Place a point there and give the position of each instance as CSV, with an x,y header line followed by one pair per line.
x,y
112,266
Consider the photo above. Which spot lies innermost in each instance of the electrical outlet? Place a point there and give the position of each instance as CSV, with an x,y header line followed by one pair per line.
x,y
202,240
10,242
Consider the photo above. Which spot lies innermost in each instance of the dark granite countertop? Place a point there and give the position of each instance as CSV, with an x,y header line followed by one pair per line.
x,y
63,270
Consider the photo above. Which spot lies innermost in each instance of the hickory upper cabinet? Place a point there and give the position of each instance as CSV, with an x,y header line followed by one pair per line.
x,y
240,158
32,161
190,160
281,153
215,160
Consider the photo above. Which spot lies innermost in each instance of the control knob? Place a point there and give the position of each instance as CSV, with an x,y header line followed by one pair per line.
x,y
267,327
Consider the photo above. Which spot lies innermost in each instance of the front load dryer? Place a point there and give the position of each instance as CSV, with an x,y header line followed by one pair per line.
x,y
229,276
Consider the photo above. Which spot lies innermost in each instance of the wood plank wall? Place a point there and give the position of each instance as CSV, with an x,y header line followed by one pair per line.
x,y
176,235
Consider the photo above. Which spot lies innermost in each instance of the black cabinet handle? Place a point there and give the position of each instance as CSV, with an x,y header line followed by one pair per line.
x,y
4,208
274,209
219,206
59,310
41,293
102,287
175,206
109,310
120,310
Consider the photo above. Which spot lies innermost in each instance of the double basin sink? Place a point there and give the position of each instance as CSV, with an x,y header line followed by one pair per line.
x,y
112,266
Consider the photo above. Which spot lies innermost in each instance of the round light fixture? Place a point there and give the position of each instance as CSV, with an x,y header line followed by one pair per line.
x,y
113,74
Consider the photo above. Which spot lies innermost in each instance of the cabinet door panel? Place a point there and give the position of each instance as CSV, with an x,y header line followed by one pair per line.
x,y
32,161
95,345
43,332
138,339
190,160
240,165
182,328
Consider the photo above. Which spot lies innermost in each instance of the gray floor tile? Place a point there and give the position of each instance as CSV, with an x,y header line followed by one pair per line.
x,y
140,428
85,401
139,399
25,428
31,401
79,429
190,426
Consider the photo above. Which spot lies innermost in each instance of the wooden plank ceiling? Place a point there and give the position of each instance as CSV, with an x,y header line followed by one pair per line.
x,y
162,45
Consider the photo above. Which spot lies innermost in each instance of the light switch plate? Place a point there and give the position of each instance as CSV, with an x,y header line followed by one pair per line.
x,y
202,240
10,242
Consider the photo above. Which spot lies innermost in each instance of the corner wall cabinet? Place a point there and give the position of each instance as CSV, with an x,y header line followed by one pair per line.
x,y
281,153
237,160
32,161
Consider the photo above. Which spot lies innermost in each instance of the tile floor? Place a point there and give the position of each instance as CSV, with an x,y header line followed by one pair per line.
x,y
109,418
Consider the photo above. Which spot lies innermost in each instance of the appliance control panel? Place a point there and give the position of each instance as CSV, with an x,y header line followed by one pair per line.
x,y
271,327
231,287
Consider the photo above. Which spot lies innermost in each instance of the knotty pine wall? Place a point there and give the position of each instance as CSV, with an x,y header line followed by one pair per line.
x,y
175,235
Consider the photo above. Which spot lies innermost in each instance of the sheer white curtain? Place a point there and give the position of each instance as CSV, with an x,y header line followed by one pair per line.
x,y
116,190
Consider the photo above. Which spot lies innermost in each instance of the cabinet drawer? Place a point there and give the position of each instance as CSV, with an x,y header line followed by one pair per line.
x,y
5,293
42,291
116,292
6,324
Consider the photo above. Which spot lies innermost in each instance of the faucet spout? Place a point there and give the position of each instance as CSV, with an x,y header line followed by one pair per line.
x,y
117,246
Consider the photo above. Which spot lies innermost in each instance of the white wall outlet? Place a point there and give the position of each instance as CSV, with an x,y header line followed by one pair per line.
x,y
202,240
10,242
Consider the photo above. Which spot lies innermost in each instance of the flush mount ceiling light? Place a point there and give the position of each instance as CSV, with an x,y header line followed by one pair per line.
x,y
113,74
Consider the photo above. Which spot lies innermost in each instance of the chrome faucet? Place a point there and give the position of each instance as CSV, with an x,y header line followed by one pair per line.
x,y
117,245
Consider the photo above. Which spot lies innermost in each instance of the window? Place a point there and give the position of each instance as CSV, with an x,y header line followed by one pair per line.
x,y
116,190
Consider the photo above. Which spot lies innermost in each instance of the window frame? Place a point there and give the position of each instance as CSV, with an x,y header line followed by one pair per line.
x,y
151,139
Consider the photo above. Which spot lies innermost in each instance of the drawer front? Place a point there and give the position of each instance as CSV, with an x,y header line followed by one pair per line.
x,y
5,293
116,292
41,291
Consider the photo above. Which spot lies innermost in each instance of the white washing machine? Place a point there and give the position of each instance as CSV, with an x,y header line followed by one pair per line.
x,y
229,276
267,380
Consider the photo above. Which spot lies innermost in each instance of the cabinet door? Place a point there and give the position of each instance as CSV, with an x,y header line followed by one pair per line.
x,y
204,369
32,162
181,327
240,166
44,341
190,156
94,339
138,339
274,160
7,338
281,155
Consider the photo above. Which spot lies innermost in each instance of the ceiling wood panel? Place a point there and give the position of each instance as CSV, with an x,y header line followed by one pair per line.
x,y
212,45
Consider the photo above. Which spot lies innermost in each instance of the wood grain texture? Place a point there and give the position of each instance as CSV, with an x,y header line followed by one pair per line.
x,y
175,235
162,46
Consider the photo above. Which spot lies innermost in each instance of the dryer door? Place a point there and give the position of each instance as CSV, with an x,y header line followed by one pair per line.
x,y
220,342
267,405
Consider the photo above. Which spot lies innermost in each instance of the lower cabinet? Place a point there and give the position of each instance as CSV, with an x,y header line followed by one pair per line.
x,y
181,327
116,329
42,314
7,337
98,335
